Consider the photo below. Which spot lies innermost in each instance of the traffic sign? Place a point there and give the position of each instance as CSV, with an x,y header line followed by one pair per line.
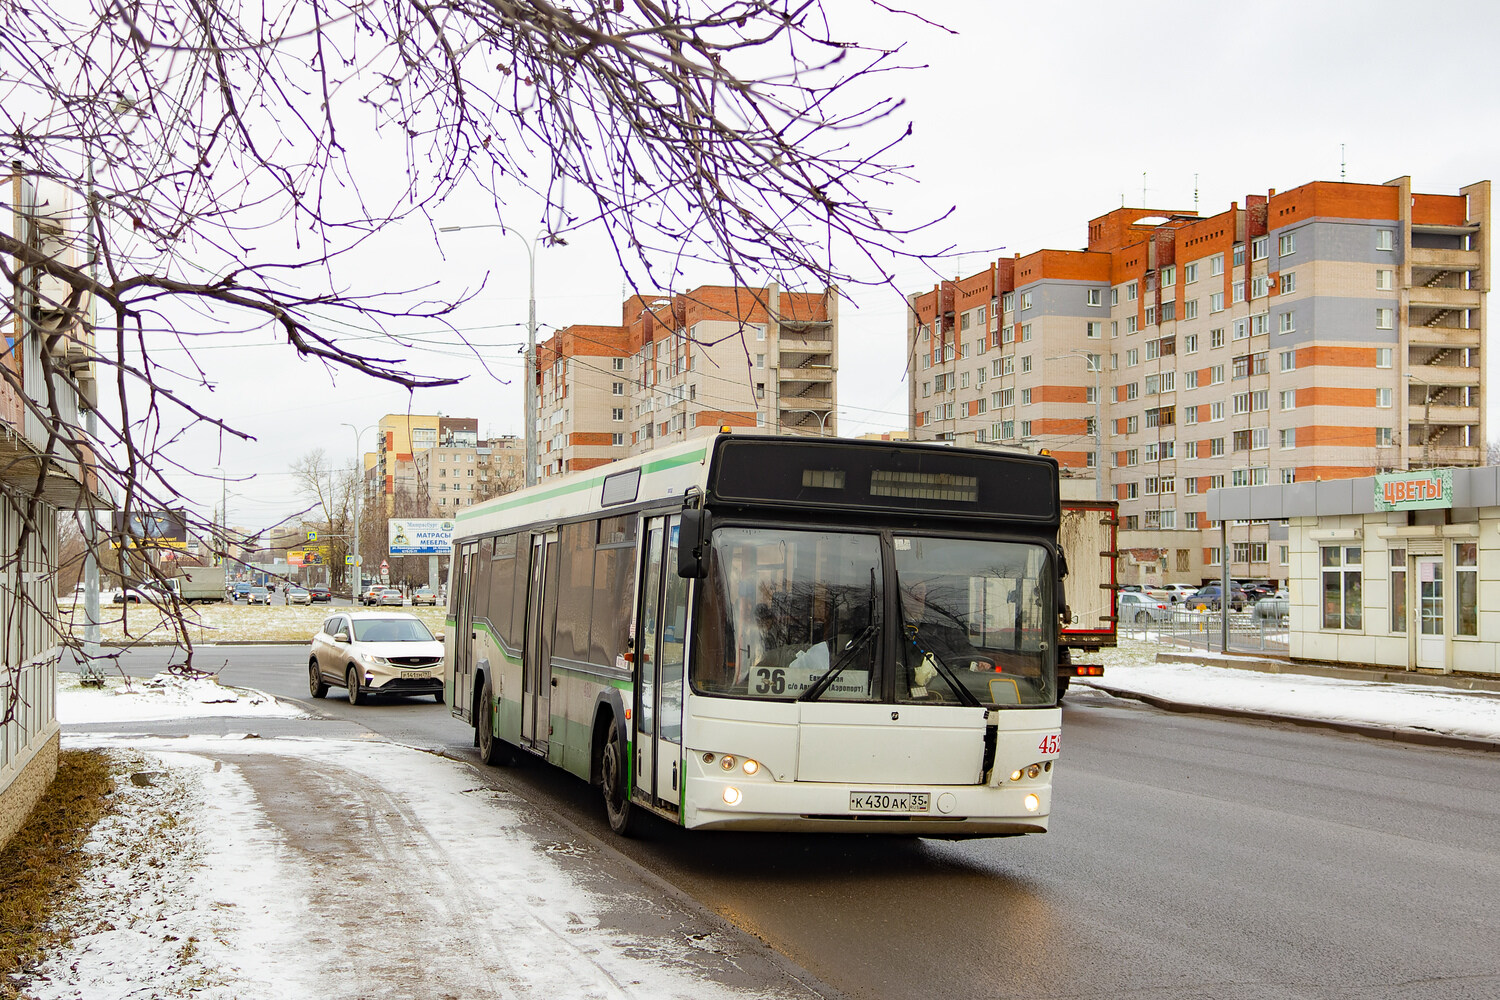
x,y
312,536
348,560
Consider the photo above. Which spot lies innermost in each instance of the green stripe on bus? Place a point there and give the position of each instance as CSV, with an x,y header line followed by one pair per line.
x,y
658,466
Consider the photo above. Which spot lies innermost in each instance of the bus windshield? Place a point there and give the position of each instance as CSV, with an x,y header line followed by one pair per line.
x,y
781,608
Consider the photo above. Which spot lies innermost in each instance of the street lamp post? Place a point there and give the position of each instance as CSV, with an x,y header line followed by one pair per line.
x,y
1095,364
529,400
359,485
822,416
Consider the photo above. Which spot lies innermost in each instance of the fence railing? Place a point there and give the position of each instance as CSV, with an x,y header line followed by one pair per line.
x,y
1248,631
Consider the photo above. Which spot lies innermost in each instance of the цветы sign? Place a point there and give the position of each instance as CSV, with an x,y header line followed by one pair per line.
x,y
1425,490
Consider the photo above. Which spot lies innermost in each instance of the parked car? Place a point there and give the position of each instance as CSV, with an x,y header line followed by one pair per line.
x,y
1276,606
320,595
424,595
371,594
128,595
1136,607
1211,596
375,653
260,595
1179,592
296,595
390,597
1255,589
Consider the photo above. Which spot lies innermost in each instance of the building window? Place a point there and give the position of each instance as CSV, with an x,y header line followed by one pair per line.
x,y
1095,297
1286,244
1192,378
1288,322
1216,302
1385,319
1288,438
1216,264
1025,397
1132,426
1007,428
1466,587
1383,397
1008,302
760,330
1215,374
1026,428
1343,586
617,388
1288,282
1025,300
1025,331
1237,291
1091,396
1288,476
1385,437
1288,399
1258,287
1130,292
1288,361
1190,417
1132,390
1190,309
1114,296
1216,338
1385,239
618,413
1239,255
1382,357
1215,556
1150,315
1385,279
1216,411
1259,248
1168,276
619,439
1025,364
1096,331
760,361
964,321
617,364
1190,344
1398,590
1215,447
1132,358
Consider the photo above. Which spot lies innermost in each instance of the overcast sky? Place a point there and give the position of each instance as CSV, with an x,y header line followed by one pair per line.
x,y
1032,119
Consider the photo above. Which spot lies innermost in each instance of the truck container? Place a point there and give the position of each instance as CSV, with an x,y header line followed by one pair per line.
x,y
204,584
1088,539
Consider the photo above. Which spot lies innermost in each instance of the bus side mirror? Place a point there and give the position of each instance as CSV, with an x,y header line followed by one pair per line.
x,y
692,536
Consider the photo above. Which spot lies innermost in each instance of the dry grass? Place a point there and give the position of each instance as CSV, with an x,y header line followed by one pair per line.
x,y
208,623
44,859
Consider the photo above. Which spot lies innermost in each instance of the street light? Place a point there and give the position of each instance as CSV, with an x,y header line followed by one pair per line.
x,y
1426,421
822,416
530,394
1095,364
359,485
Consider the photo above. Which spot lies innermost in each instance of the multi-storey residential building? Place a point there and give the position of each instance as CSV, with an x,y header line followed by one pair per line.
x,y
47,372
679,364
1330,331
402,437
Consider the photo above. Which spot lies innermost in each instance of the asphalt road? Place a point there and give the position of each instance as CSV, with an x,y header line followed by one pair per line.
x,y
1191,857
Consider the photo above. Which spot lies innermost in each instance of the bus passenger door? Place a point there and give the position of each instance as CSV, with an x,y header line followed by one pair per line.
x,y
671,662
541,613
462,640
645,659
660,650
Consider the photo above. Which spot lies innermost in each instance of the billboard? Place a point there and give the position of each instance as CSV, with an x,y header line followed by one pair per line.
x,y
151,529
420,536
1429,489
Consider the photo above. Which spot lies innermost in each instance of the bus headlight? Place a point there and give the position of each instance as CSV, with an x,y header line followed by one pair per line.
x,y
1032,803
1015,776
727,762
750,767
732,796
1033,771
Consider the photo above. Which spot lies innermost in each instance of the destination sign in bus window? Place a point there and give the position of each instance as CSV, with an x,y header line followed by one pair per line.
x,y
823,479
924,485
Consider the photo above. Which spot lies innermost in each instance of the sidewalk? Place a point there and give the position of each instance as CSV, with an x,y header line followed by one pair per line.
x,y
1439,710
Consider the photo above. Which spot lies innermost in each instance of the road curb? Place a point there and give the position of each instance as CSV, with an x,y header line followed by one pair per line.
x,y
1419,737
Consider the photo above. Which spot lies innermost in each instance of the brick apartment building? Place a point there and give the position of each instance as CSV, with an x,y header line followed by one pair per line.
x,y
1332,331
682,364
428,465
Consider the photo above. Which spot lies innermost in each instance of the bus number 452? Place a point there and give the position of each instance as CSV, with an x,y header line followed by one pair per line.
x,y
1050,744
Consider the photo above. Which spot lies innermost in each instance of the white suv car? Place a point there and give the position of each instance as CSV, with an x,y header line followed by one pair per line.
x,y
375,653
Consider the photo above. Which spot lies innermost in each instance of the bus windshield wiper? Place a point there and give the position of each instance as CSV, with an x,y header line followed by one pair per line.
x,y
845,657
964,694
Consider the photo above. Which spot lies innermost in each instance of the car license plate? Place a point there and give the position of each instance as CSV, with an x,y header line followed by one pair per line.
x,y
415,675
888,802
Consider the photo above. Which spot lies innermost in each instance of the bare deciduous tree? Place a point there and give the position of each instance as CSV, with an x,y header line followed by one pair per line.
x,y
205,167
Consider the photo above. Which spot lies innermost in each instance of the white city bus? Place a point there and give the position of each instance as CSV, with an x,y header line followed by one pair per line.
x,y
771,633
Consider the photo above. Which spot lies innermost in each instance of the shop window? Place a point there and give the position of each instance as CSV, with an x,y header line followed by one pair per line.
x,y
1466,579
1398,590
1343,587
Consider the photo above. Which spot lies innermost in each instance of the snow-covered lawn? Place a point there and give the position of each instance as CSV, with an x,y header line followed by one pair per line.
x,y
223,622
1216,683
165,696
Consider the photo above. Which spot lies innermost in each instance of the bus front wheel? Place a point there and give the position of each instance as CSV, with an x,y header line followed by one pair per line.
x,y
491,750
612,774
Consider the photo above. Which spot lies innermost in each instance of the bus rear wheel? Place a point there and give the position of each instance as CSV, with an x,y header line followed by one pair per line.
x,y
612,781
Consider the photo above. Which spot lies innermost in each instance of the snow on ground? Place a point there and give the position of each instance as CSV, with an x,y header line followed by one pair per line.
x,y
1217,684
165,696
222,622
238,873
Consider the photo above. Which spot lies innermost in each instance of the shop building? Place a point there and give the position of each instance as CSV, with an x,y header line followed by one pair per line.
x,y
1398,570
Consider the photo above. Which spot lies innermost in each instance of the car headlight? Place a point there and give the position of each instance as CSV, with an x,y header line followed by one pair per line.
x,y
377,661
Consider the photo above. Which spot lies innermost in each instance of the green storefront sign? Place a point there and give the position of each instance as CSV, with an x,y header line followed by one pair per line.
x,y
1430,489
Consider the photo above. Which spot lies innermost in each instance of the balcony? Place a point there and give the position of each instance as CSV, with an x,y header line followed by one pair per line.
x,y
803,345
1421,297
1444,260
1418,335
809,373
